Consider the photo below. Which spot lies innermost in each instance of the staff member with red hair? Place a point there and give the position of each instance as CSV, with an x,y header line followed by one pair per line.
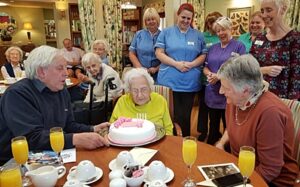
x,y
181,50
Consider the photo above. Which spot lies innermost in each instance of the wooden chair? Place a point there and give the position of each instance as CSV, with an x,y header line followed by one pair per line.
x,y
167,93
295,108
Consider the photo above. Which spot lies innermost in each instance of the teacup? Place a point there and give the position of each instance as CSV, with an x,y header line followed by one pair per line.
x,y
73,183
156,183
118,182
45,176
123,158
84,171
135,177
115,174
157,171
10,80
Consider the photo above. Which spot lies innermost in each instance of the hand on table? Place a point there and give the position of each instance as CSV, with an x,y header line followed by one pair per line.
x,y
89,140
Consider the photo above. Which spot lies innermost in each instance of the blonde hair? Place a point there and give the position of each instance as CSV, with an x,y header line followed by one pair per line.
x,y
279,3
151,13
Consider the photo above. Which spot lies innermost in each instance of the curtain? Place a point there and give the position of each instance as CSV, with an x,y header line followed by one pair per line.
x,y
199,17
113,31
88,22
293,15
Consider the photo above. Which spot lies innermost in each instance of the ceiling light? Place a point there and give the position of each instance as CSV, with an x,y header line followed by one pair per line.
x,y
3,4
128,5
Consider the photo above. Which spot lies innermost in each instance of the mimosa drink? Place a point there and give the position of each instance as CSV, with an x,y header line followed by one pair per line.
x,y
11,177
20,151
246,162
57,141
189,151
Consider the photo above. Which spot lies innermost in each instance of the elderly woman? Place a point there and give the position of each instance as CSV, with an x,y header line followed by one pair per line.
x,y
256,117
181,50
101,48
278,51
141,50
256,27
13,67
217,55
101,74
140,99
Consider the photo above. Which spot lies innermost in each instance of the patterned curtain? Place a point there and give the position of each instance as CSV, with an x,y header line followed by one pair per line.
x,y
88,22
113,31
199,17
293,15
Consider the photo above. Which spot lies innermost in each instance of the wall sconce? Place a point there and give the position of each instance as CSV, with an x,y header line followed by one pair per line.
x,y
62,6
27,26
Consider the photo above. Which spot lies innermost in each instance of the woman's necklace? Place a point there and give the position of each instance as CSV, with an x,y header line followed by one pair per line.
x,y
247,116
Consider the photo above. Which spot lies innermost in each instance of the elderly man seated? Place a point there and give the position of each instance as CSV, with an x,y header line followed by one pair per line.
x,y
140,99
39,102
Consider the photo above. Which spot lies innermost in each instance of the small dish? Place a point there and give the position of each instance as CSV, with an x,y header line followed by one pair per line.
x,y
97,176
169,177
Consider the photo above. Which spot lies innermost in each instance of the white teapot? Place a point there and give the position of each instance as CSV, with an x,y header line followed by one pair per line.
x,y
46,176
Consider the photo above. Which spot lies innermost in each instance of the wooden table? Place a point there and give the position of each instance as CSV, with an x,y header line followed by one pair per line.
x,y
169,153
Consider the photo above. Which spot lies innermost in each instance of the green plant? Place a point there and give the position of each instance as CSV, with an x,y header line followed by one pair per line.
x,y
7,30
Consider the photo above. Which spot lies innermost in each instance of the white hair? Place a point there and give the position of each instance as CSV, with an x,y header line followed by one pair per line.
x,y
40,57
224,22
7,52
134,73
103,42
88,57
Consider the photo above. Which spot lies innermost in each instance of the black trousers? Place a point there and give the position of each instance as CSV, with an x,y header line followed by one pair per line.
x,y
202,126
183,104
215,116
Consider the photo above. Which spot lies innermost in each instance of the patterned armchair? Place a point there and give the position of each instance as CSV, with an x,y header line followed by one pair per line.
x,y
167,93
295,108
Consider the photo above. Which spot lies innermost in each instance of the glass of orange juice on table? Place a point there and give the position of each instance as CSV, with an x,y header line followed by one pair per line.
x,y
10,175
246,162
19,147
189,154
57,141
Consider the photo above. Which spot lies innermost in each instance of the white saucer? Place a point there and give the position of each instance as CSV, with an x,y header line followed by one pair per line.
x,y
98,175
169,177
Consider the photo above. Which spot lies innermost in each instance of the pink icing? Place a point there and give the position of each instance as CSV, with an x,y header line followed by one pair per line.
x,y
127,122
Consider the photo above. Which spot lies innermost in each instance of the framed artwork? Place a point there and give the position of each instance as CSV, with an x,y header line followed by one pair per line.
x,y
240,18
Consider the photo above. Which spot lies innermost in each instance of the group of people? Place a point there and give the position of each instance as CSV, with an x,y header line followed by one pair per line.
x,y
241,89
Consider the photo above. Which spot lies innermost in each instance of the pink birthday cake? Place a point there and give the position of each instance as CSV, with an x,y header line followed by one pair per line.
x,y
131,131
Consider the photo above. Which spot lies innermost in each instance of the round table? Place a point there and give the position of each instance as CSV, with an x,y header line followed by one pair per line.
x,y
169,152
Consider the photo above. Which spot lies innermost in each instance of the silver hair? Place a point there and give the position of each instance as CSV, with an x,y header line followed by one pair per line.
x,y
224,22
88,57
241,71
103,42
42,56
134,73
151,13
7,52
279,3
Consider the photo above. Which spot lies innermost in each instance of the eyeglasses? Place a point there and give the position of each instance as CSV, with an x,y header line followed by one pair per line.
x,y
142,91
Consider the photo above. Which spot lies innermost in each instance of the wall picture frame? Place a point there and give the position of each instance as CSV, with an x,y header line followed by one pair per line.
x,y
240,18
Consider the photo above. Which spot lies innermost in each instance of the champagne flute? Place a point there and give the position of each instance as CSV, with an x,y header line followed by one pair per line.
x,y
246,162
189,154
57,141
10,175
19,147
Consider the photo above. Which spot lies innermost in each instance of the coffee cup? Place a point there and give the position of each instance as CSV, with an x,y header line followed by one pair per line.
x,y
46,176
156,183
10,80
134,175
118,182
84,171
115,174
73,183
156,171
123,158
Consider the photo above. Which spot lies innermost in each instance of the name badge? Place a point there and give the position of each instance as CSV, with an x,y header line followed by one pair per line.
x,y
258,42
191,43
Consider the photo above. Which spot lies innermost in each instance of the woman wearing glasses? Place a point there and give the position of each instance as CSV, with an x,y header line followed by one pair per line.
x,y
140,99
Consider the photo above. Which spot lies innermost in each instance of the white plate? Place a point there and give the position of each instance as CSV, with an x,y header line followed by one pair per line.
x,y
170,175
98,175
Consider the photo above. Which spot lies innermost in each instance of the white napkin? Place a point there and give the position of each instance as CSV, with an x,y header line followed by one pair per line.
x,y
68,155
142,155
210,183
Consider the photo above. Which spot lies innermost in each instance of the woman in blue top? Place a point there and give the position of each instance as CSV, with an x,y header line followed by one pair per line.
x,y
218,54
181,50
141,50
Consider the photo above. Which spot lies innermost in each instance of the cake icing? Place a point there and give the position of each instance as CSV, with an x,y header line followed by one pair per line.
x,y
131,131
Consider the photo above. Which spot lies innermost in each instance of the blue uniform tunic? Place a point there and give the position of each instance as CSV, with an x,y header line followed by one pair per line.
x,y
181,47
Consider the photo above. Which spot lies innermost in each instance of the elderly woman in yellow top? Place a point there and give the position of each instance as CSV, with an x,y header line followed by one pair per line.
x,y
13,66
140,99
